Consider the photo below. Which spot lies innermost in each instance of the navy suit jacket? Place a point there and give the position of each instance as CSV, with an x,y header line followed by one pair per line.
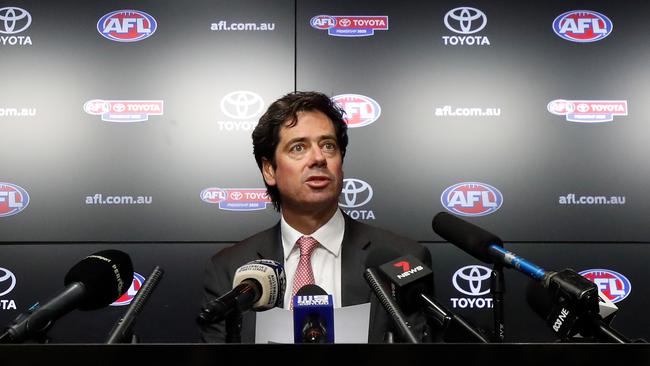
x,y
359,239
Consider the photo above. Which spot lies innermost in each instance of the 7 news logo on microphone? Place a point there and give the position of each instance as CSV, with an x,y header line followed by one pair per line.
x,y
405,267
408,275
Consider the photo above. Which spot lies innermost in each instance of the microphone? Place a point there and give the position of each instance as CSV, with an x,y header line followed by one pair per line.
x,y
93,283
123,327
411,282
313,315
409,278
372,277
482,245
488,248
576,293
567,319
258,285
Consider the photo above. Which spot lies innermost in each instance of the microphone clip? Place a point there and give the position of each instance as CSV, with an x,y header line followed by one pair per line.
x,y
20,326
574,299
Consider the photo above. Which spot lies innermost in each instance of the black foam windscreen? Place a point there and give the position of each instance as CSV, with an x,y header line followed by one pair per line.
x,y
106,275
311,290
472,239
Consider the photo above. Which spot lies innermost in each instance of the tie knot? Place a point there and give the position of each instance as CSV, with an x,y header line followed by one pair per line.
x,y
307,244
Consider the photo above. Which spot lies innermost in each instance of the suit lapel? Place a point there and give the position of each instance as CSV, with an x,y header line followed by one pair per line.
x,y
354,289
269,245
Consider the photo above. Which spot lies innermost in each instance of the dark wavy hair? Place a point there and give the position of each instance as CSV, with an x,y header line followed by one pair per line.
x,y
284,112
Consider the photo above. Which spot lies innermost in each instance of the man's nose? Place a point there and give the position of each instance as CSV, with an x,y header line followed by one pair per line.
x,y
317,156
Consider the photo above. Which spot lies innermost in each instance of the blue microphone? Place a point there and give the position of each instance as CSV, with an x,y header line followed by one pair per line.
x,y
572,293
511,260
484,246
313,316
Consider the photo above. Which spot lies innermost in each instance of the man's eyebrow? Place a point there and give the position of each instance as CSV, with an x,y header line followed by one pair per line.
x,y
327,137
302,139
296,139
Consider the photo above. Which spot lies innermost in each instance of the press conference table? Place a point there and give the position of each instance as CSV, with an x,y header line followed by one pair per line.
x,y
332,355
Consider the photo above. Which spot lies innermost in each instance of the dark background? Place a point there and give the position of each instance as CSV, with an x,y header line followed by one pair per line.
x,y
409,156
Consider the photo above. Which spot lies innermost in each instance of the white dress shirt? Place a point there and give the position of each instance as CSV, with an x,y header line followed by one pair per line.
x,y
325,259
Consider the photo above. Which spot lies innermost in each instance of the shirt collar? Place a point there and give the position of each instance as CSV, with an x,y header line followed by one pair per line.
x,y
330,235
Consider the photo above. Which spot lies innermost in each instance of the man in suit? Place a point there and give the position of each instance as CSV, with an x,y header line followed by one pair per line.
x,y
299,145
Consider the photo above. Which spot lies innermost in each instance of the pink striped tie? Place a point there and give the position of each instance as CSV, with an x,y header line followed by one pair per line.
x,y
304,274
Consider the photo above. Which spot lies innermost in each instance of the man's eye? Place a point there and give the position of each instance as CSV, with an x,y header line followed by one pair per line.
x,y
330,146
297,148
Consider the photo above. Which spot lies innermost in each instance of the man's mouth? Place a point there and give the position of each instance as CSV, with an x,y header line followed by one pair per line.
x,y
318,181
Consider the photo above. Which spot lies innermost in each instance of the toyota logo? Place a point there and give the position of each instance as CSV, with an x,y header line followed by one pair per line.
x,y
465,20
355,193
7,281
14,20
471,280
119,107
242,105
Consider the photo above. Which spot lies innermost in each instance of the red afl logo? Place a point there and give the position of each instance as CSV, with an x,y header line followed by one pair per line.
x,y
13,199
359,110
128,296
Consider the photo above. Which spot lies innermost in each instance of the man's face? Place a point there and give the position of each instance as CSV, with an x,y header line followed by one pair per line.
x,y
309,166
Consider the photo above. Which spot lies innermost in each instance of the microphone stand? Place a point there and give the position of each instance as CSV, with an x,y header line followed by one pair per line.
x,y
233,326
40,336
497,289
451,325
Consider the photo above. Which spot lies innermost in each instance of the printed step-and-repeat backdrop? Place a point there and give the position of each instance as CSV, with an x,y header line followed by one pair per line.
x,y
127,125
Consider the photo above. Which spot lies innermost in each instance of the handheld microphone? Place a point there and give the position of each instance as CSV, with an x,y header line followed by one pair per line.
x,y
412,283
123,328
258,285
568,318
93,283
313,315
373,279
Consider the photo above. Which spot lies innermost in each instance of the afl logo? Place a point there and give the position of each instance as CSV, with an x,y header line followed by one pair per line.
x,y
213,195
322,22
613,284
582,26
128,296
471,199
127,25
561,107
359,110
13,199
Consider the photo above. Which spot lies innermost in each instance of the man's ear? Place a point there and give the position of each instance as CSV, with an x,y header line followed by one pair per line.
x,y
268,172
